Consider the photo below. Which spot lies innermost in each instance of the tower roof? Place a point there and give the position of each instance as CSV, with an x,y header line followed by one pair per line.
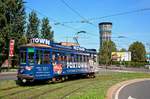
x,y
103,23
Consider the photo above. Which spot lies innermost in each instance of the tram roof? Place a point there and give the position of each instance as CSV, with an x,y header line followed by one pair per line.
x,y
55,45
36,45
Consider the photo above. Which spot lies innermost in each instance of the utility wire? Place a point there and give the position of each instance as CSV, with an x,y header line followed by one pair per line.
x,y
107,16
122,13
55,22
85,20
77,13
61,24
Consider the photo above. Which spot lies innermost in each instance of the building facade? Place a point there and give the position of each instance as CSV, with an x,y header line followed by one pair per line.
x,y
121,56
105,32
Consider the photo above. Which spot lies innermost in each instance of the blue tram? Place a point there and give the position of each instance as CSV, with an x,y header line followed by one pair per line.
x,y
45,60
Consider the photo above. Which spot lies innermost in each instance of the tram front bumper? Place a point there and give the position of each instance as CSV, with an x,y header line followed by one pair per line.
x,y
23,76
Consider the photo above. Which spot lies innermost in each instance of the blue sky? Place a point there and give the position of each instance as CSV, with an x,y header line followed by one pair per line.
x,y
134,26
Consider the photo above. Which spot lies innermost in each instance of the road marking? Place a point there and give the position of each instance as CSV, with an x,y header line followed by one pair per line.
x,y
117,93
131,97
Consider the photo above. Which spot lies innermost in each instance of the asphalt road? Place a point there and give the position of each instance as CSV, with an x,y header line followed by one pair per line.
x,y
8,77
138,90
12,75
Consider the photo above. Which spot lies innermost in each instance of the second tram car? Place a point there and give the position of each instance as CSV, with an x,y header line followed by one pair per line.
x,y
45,60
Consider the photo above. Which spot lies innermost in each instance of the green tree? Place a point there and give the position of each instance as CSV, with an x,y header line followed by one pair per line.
x,y
23,40
138,51
46,31
105,52
12,23
123,50
33,26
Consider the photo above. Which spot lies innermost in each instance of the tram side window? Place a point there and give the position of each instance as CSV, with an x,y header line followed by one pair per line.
x,y
31,58
46,59
88,59
82,58
68,58
63,60
53,58
39,57
79,58
85,58
75,58
23,57
72,58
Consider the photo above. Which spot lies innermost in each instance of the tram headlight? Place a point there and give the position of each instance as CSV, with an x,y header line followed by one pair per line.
x,y
28,68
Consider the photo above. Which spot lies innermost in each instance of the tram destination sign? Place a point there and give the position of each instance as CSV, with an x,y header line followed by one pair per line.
x,y
40,41
79,48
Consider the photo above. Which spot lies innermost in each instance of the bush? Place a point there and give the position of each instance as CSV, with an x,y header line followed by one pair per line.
x,y
129,63
116,63
137,64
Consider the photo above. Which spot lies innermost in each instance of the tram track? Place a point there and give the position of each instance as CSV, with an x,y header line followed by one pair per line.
x,y
28,89
21,91
44,92
75,90
16,92
56,89
8,88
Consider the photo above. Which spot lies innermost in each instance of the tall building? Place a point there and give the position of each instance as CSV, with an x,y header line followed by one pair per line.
x,y
105,32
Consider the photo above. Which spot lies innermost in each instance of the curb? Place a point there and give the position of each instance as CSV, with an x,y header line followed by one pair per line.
x,y
116,88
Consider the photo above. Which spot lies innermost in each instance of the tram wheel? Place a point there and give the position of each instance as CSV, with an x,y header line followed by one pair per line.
x,y
66,78
63,78
53,80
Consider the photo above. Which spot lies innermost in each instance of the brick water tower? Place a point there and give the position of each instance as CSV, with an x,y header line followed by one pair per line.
x,y
105,32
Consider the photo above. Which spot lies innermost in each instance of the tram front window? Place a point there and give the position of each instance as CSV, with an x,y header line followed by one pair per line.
x,y
39,57
31,56
22,57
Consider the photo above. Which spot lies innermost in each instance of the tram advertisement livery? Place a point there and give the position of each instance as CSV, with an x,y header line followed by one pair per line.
x,y
43,59
57,68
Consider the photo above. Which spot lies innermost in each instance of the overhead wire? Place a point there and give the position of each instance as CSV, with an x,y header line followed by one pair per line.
x,y
60,24
107,16
87,20
77,13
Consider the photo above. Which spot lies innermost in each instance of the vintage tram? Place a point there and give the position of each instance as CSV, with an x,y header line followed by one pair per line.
x,y
45,60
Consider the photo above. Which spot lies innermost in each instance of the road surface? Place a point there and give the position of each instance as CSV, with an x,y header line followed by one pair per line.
x,y
12,75
138,90
8,76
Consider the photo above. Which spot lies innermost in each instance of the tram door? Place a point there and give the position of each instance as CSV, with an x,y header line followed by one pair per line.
x,y
58,62
43,67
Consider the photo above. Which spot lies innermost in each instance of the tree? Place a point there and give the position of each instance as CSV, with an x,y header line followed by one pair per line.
x,y
105,52
123,50
46,30
23,40
33,26
12,23
138,51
